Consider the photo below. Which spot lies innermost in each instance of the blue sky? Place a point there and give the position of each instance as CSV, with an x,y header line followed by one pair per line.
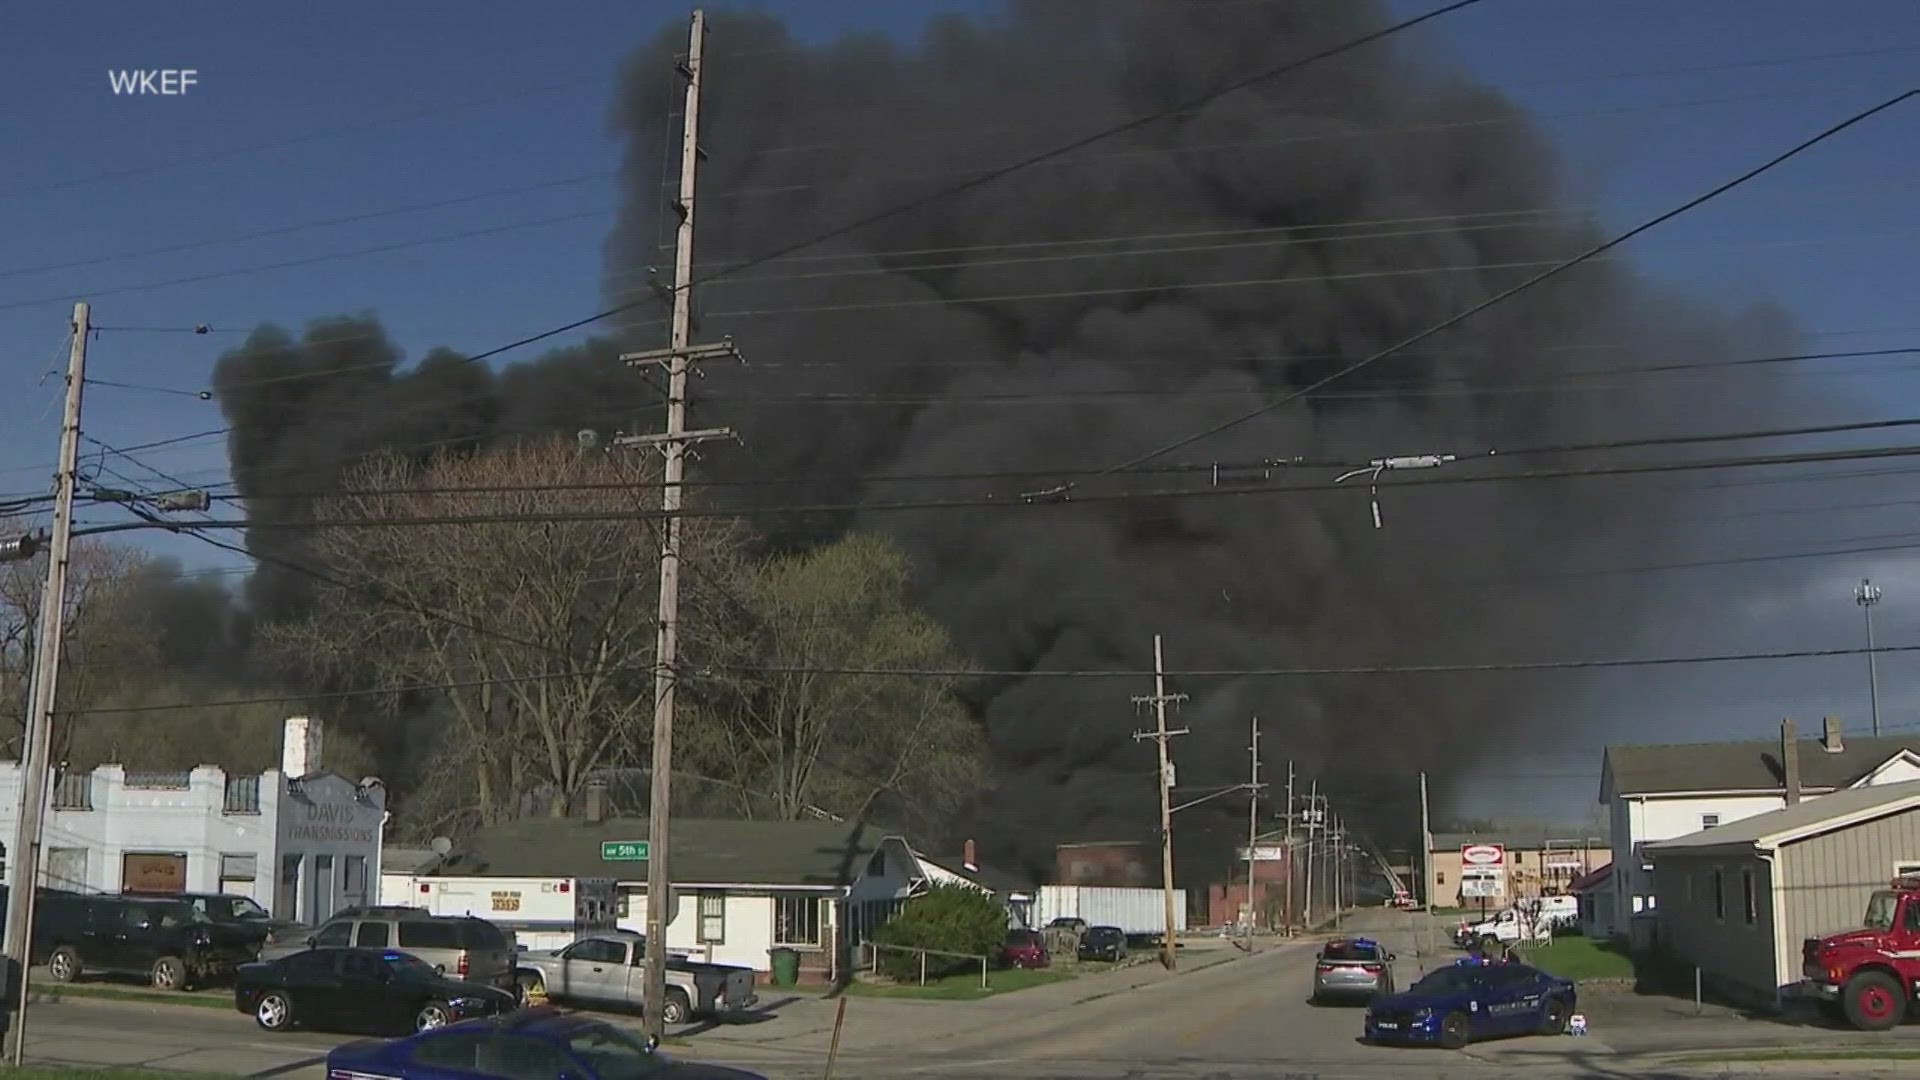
x,y
307,114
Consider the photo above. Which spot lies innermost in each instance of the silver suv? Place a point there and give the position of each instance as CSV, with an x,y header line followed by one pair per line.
x,y
459,945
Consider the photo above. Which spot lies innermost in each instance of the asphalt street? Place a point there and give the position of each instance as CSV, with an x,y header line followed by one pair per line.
x,y
1244,1017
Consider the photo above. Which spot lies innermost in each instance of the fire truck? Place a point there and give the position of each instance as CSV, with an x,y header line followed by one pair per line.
x,y
1870,976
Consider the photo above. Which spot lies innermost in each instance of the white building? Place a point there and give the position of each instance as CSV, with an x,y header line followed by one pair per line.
x,y
1657,793
300,841
741,888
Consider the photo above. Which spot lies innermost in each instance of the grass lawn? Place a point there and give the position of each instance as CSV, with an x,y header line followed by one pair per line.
x,y
962,987
218,998
1579,958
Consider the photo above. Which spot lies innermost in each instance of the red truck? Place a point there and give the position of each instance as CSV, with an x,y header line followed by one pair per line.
x,y
1871,976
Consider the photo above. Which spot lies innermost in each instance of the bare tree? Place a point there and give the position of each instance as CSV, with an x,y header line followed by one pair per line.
x,y
107,645
783,720
533,638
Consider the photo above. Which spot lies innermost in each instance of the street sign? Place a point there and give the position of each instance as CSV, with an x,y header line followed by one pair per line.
x,y
624,851
1483,854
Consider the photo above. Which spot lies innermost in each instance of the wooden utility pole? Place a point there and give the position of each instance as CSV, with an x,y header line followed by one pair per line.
x,y
50,631
1313,812
1253,828
677,357
1160,735
1290,852
1426,847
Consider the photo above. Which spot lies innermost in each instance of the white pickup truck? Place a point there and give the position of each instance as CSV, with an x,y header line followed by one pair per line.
x,y
1508,927
609,969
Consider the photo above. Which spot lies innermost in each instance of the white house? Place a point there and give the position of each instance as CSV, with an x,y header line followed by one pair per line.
x,y
741,887
1013,890
300,841
1657,793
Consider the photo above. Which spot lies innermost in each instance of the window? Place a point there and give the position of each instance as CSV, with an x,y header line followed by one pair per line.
x,y
1439,877
1719,894
1519,857
373,935
1708,821
515,1057
1752,898
429,934
356,883
796,920
598,951
457,1052
614,1054
713,919
334,935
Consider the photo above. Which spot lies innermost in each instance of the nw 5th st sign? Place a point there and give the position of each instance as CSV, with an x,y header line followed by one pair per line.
x,y
624,851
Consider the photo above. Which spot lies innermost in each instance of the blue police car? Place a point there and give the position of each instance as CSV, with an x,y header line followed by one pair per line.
x,y
534,1044
1457,1004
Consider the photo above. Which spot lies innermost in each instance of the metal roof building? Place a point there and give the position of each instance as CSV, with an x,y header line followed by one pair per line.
x,y
1737,900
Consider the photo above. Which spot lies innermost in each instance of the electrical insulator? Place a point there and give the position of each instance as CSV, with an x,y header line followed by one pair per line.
x,y
19,548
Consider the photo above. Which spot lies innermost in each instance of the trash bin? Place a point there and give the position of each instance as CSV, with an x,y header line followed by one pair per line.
x,y
786,966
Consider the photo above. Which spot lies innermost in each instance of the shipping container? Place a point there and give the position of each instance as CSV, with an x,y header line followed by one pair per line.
x,y
1136,911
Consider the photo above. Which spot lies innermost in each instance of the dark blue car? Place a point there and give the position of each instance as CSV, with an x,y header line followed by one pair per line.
x,y
1457,1004
536,1044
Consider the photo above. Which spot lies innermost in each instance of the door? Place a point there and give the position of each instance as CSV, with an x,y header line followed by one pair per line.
x,y
325,897
100,934
135,941
595,970
368,994
1513,1000
314,982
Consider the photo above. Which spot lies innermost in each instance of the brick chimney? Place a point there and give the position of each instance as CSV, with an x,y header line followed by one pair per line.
x,y
1790,761
597,800
969,861
1830,739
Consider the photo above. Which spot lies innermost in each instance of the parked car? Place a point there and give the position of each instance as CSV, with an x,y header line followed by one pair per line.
x,y
1024,949
532,1043
168,942
462,946
1104,943
1352,968
360,989
1457,1004
1069,923
243,911
610,969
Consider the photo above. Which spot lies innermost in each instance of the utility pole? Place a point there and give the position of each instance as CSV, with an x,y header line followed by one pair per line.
x,y
1160,735
677,357
1336,837
1253,829
1426,846
1867,595
1290,845
1313,803
36,747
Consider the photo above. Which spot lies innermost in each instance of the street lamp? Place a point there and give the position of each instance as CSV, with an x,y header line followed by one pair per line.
x,y
1867,595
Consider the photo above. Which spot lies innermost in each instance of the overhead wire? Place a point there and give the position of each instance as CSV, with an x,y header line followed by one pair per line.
x,y
1512,291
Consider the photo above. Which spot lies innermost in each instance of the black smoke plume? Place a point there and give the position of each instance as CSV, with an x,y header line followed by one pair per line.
x,y
1081,312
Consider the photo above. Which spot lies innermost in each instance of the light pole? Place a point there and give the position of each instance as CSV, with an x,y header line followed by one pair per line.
x,y
1867,595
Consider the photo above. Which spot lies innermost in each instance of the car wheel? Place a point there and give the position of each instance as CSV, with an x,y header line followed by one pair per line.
x,y
63,965
169,974
678,1010
1874,1001
1555,1020
434,1015
1453,1030
274,1013
532,988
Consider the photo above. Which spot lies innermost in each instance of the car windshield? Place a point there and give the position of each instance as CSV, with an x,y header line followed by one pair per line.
x,y
238,908
1880,911
408,966
613,1054
1448,980
1350,950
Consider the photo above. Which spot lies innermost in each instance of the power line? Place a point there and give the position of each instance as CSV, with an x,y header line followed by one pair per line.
x,y
1504,294
968,673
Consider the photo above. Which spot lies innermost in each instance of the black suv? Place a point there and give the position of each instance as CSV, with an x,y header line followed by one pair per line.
x,y
166,941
